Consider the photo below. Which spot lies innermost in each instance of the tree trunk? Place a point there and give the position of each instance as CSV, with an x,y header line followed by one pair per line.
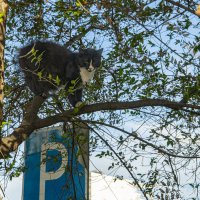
x,y
3,15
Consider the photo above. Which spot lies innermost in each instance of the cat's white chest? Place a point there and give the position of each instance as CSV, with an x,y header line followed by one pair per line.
x,y
86,76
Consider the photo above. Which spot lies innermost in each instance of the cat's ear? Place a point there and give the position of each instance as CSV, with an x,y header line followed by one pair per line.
x,y
100,51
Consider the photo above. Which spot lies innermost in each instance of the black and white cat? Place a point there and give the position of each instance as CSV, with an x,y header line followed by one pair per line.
x,y
47,66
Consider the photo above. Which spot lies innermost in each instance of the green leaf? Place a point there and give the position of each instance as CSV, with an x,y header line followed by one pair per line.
x,y
78,4
1,16
73,82
76,109
50,77
39,74
126,30
120,72
57,81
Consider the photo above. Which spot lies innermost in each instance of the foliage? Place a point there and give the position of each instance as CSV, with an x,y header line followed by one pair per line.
x,y
151,51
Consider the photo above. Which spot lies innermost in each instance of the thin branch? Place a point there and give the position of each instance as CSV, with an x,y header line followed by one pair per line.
x,y
159,149
173,172
122,161
160,40
181,6
82,34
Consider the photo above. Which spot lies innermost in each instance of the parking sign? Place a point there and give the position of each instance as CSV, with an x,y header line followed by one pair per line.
x,y
53,170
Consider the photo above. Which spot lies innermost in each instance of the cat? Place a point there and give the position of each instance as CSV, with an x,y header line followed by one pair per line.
x,y
48,66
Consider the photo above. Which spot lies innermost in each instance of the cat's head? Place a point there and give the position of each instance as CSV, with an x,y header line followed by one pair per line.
x,y
90,58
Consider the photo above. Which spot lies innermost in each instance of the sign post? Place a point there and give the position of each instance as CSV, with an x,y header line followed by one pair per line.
x,y
57,164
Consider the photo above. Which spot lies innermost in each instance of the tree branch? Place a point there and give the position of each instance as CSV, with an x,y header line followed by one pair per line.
x,y
10,143
112,106
31,122
82,34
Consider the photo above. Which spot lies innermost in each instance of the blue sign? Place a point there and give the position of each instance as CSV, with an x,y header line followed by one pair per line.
x,y
52,167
